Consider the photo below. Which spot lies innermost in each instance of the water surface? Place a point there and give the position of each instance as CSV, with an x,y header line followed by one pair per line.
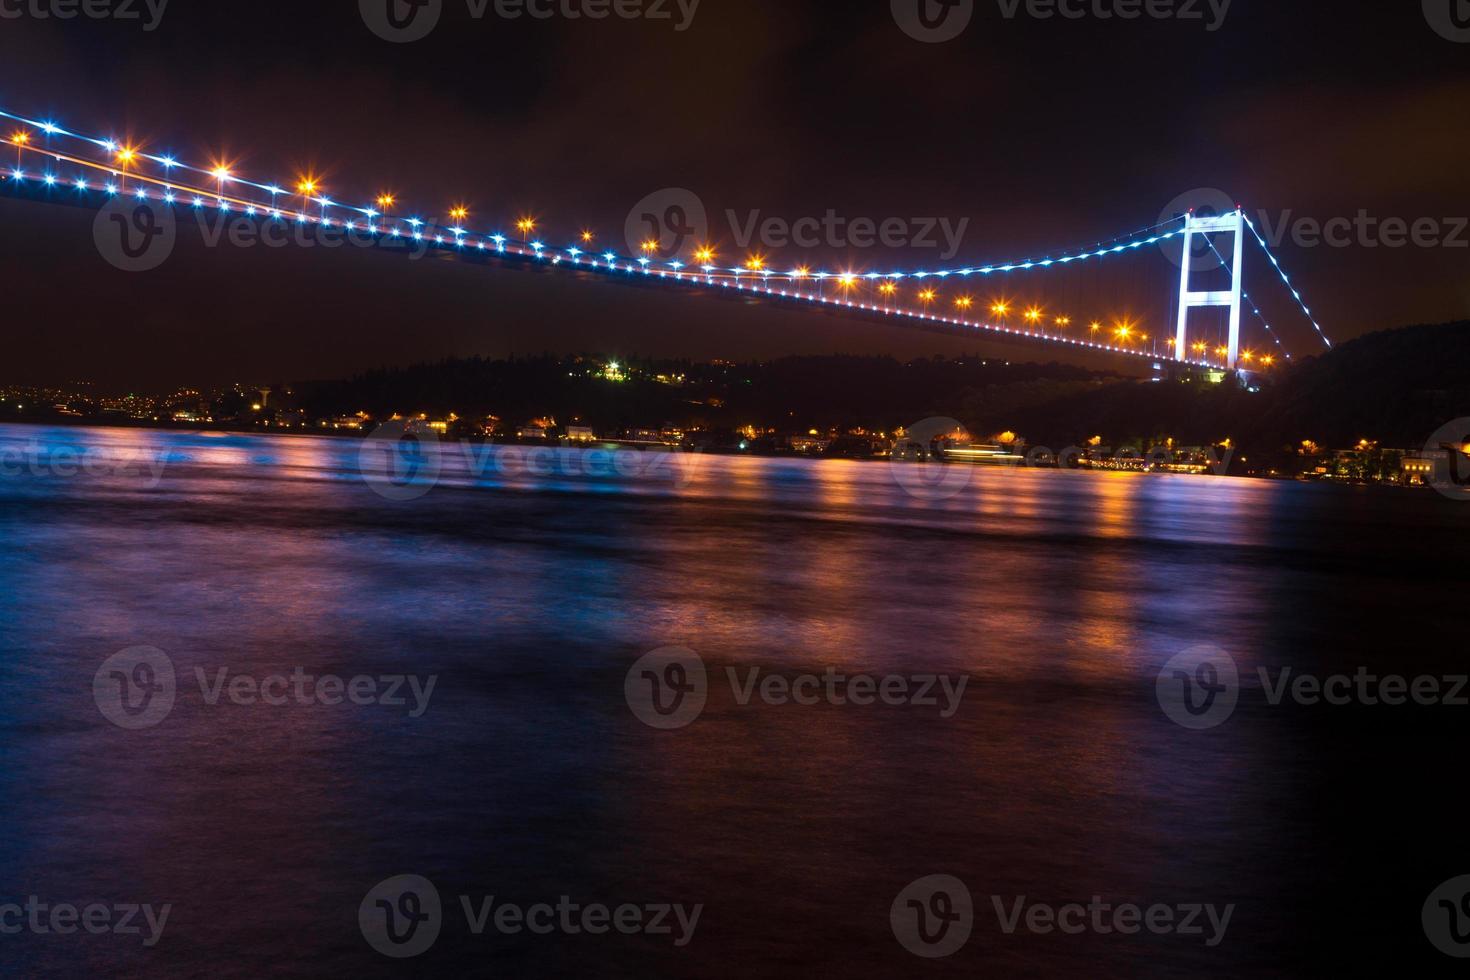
x,y
528,596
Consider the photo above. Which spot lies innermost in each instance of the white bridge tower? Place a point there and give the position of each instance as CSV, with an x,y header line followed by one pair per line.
x,y
1233,224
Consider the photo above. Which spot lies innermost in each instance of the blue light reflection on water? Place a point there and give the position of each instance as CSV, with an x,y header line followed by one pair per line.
x,y
1059,594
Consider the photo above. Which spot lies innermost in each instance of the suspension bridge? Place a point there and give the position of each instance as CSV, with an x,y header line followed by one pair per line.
x,y
68,167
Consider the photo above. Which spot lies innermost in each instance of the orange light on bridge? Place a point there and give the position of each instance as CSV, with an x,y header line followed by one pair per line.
x,y
221,173
964,302
706,255
21,139
386,201
1000,308
587,237
928,295
526,225
459,212
888,289
756,263
1033,315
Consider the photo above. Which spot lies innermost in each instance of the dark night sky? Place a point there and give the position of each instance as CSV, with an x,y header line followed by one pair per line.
x,y
1042,133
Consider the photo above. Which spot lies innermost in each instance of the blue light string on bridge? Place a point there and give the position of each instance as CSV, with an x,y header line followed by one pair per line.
x,y
694,279
1071,255
422,231
223,175
1286,279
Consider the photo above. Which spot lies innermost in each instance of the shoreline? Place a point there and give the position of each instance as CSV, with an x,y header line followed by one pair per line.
x,y
616,445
